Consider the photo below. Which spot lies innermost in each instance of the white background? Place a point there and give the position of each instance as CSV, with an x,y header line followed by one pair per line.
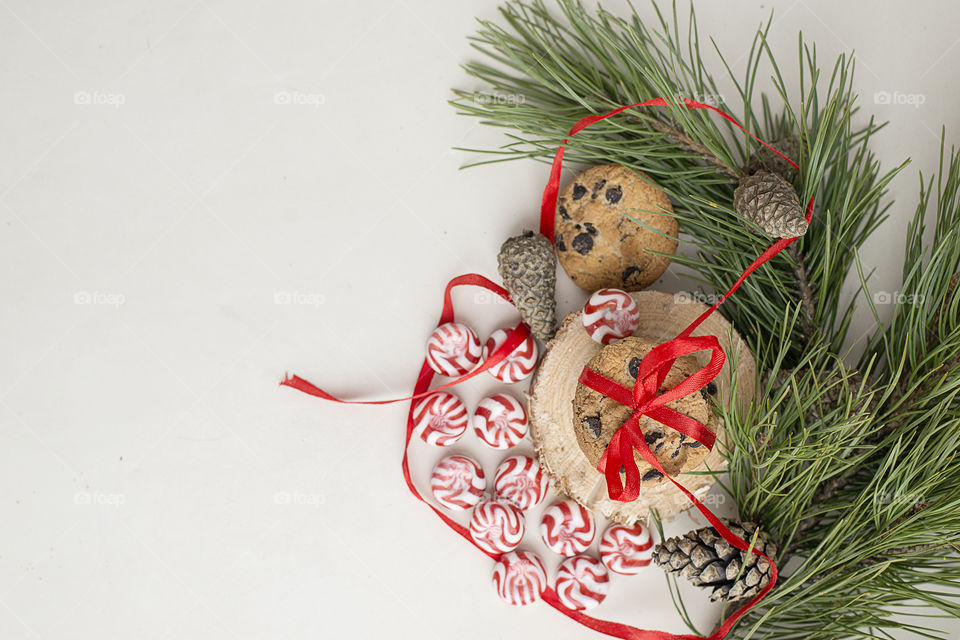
x,y
158,208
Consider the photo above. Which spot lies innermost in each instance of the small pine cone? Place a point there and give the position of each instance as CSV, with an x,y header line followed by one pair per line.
x,y
528,267
766,160
770,202
707,560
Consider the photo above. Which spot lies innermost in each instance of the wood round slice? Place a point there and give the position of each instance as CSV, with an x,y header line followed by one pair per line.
x,y
662,317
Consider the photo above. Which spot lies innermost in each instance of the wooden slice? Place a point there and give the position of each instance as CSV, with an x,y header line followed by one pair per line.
x,y
662,317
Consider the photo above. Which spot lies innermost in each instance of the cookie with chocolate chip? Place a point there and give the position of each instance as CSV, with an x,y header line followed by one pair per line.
x,y
598,245
597,417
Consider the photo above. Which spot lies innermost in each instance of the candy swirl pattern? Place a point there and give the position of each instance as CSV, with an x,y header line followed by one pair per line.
x,y
453,349
567,528
582,583
518,365
519,577
626,550
520,481
440,419
610,314
497,526
500,421
458,482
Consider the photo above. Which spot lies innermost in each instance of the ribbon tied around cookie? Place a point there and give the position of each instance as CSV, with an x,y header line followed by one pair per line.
x,y
645,401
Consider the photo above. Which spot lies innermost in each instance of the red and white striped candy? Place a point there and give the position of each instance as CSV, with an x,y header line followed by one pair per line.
x,y
497,526
458,482
519,577
453,349
582,583
440,418
626,550
567,528
516,366
520,480
500,421
610,314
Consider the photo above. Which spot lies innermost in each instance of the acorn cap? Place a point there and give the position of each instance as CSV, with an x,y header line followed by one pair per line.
x,y
550,406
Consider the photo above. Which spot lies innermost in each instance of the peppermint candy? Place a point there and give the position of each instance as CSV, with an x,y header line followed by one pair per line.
x,y
518,365
582,583
626,550
453,349
497,526
458,482
610,314
519,577
440,419
567,528
500,421
520,481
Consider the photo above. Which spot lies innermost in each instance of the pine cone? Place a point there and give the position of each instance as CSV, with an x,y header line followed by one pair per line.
x,y
770,202
766,160
707,560
528,267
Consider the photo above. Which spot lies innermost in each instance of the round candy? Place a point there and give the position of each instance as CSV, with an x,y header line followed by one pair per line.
x,y
626,550
440,418
453,349
497,526
520,480
500,421
519,577
516,366
582,583
567,528
610,314
458,482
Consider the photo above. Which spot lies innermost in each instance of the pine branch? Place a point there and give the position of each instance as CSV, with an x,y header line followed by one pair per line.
x,y
807,300
690,145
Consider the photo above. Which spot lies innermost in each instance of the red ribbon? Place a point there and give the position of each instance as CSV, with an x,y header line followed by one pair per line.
x,y
643,398
515,338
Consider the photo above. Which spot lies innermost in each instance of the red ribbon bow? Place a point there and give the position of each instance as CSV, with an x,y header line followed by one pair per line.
x,y
644,401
